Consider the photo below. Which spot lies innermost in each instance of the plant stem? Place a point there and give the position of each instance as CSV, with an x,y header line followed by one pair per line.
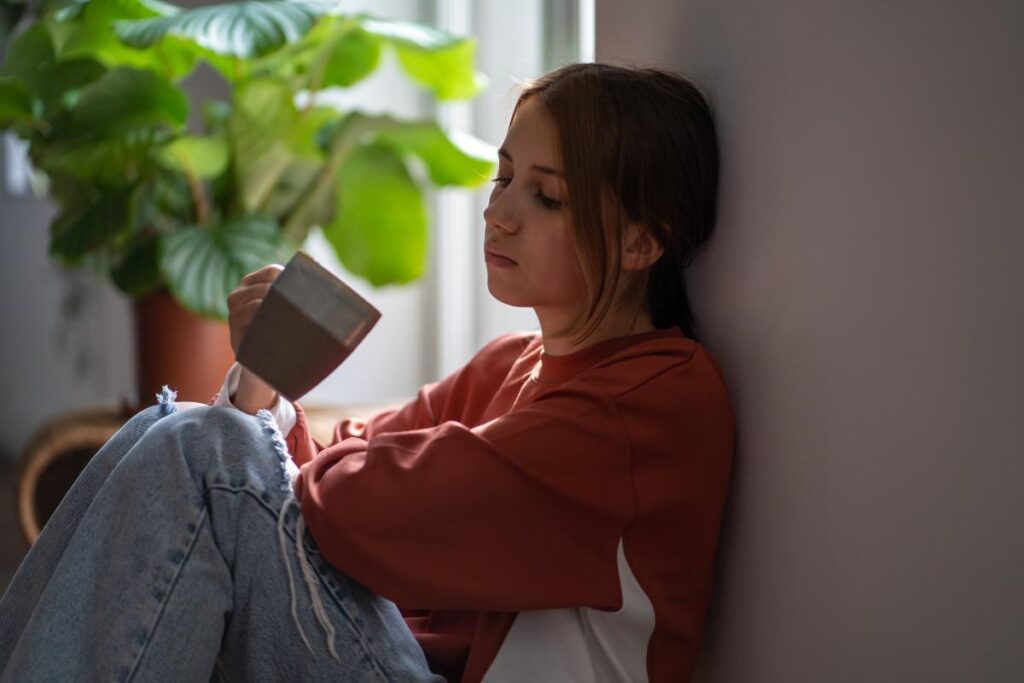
x,y
316,78
198,198
318,69
345,140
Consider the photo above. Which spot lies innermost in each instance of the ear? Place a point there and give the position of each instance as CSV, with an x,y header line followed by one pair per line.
x,y
639,249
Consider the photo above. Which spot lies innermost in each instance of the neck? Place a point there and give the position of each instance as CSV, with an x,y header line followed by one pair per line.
x,y
558,343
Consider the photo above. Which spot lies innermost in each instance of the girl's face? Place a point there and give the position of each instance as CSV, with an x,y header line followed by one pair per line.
x,y
528,222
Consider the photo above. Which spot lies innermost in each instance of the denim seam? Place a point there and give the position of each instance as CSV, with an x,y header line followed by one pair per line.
x,y
352,624
255,493
170,590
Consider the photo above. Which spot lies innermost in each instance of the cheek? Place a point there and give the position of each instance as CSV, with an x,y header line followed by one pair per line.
x,y
564,268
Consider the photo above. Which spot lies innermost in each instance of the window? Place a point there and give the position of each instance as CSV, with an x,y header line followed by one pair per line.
x,y
432,327
515,41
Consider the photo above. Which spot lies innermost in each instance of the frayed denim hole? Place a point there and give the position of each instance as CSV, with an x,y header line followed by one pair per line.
x,y
288,468
290,471
166,399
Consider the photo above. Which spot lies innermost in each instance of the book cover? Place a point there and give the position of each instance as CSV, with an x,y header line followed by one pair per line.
x,y
308,324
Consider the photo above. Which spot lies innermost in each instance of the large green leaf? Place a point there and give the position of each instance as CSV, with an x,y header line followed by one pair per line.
x,y
380,229
15,103
335,52
87,30
251,28
292,185
262,119
70,10
351,56
124,100
433,58
138,272
201,266
458,159
117,159
88,221
29,55
162,202
203,157
304,135
30,62
62,84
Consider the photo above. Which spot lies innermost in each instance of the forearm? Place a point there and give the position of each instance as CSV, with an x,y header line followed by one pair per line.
x,y
253,393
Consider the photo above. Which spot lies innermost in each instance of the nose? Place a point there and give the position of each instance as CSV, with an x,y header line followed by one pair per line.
x,y
500,213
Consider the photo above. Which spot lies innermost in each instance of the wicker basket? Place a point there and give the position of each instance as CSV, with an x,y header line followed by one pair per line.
x,y
55,456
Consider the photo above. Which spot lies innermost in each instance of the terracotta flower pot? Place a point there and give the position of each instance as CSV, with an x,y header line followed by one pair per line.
x,y
187,352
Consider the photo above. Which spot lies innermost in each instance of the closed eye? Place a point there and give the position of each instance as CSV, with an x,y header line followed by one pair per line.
x,y
545,201
548,202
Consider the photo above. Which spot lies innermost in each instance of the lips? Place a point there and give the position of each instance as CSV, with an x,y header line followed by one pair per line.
x,y
494,252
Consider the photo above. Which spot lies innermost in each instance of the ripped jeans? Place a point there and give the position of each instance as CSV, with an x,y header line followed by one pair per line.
x,y
176,557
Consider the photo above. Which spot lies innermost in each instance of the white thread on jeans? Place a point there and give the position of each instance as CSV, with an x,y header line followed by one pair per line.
x,y
266,420
283,541
311,581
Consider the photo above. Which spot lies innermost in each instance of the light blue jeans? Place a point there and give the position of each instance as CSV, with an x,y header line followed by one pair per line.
x,y
174,557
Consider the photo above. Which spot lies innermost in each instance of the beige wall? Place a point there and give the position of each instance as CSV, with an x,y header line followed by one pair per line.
x,y
864,293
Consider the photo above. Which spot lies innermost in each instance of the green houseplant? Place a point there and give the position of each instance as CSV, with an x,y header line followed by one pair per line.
x,y
174,215
94,87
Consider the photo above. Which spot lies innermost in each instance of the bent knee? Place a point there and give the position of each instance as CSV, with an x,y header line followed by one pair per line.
x,y
199,421
219,436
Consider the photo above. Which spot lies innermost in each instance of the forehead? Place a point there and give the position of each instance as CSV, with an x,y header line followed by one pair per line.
x,y
532,133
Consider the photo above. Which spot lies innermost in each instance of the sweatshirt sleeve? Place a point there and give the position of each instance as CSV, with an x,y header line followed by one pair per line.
x,y
418,413
427,409
523,512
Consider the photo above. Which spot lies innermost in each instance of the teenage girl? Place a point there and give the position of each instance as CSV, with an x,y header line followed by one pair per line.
x,y
549,512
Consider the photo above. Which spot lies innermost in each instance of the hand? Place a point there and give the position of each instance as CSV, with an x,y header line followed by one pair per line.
x,y
252,393
246,298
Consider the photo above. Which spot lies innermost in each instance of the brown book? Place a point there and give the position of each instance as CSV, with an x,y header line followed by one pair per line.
x,y
308,324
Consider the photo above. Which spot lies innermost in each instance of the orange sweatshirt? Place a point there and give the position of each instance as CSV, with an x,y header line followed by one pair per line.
x,y
537,517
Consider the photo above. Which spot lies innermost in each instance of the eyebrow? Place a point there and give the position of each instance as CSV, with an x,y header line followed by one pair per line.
x,y
502,152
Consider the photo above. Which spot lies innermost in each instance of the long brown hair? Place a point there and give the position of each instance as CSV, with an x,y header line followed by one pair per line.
x,y
639,144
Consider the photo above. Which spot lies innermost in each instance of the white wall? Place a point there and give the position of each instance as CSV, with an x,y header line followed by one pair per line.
x,y
63,336
863,293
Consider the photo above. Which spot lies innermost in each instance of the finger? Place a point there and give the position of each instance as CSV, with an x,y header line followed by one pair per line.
x,y
244,293
242,321
267,273
248,310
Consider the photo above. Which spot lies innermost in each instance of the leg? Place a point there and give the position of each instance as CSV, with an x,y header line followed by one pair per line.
x,y
181,568
44,555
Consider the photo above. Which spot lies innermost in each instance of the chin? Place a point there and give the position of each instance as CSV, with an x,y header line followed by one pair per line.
x,y
506,297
